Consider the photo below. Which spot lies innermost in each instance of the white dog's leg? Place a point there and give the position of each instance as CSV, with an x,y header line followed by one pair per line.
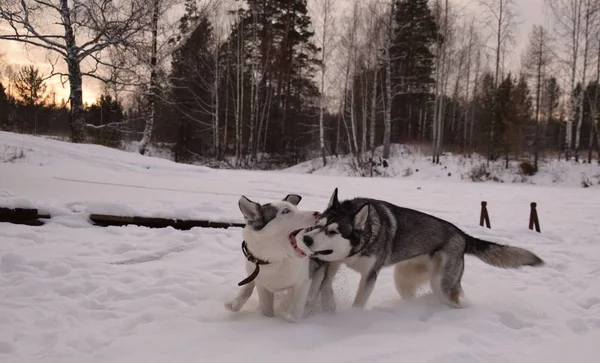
x,y
240,299
297,301
327,296
365,288
266,299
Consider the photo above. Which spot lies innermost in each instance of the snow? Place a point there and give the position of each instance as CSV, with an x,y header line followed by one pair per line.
x,y
71,292
414,163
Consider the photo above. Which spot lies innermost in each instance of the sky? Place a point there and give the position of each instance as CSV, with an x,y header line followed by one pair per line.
x,y
16,55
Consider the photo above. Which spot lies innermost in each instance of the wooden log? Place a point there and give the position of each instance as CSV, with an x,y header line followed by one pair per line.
x,y
26,216
105,220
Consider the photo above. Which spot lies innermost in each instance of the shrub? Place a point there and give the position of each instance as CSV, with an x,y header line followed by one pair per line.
x,y
527,168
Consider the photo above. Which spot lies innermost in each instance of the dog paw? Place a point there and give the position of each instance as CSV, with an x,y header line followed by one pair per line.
x,y
328,306
289,317
268,312
233,306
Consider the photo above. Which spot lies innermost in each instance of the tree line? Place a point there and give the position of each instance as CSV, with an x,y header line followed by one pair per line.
x,y
258,82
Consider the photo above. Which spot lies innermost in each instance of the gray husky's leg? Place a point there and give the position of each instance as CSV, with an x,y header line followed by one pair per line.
x,y
240,299
315,288
446,274
365,288
297,302
266,299
410,274
327,296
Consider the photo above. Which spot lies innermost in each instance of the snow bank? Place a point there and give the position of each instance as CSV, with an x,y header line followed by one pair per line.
x,y
411,163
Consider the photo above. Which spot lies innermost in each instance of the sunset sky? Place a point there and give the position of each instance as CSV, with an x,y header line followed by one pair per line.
x,y
17,55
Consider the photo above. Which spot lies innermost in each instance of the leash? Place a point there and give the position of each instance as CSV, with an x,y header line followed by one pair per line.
x,y
250,257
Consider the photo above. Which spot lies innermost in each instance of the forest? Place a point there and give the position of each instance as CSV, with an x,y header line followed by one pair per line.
x,y
271,83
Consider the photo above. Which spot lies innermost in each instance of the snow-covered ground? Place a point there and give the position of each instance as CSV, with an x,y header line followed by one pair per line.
x,y
414,163
64,297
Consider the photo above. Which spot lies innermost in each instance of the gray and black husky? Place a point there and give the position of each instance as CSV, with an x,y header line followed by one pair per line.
x,y
369,234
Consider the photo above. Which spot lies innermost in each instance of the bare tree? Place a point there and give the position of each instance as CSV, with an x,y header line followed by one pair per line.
x,y
441,77
156,8
594,108
326,10
84,30
501,21
389,40
590,8
568,15
536,60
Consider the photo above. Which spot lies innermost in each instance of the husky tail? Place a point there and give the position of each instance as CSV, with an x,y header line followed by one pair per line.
x,y
500,255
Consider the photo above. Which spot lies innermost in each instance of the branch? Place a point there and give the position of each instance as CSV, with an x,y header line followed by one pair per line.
x,y
20,19
111,125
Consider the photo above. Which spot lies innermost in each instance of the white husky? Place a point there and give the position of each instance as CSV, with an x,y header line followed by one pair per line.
x,y
275,262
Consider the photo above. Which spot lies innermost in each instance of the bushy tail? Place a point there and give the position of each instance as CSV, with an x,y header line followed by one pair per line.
x,y
501,255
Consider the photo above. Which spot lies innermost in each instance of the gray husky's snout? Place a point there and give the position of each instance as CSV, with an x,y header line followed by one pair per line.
x,y
308,241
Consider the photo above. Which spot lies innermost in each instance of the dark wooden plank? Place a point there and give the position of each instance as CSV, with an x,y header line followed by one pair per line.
x,y
152,222
27,216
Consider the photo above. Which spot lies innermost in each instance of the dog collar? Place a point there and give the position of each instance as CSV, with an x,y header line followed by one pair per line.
x,y
257,261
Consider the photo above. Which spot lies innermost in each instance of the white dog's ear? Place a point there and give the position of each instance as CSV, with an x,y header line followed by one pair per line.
x,y
251,210
333,201
361,217
292,198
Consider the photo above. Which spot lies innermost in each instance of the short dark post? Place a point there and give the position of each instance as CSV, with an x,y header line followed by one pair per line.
x,y
484,215
533,218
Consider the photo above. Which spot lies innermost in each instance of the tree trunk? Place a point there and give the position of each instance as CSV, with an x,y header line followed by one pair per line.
x,y
373,114
143,146
575,33
76,113
536,152
583,79
388,87
216,112
594,109
322,111
466,115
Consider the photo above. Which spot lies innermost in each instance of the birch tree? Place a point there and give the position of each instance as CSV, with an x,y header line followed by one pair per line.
x,y
594,107
590,8
569,16
143,145
325,39
83,30
387,126
440,77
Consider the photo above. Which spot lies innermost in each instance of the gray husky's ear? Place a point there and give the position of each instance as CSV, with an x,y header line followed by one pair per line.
x,y
292,198
333,201
250,210
361,217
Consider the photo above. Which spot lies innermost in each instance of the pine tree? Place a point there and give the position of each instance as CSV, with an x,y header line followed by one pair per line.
x,y
505,111
485,101
106,113
280,60
550,106
415,32
30,85
413,61
191,78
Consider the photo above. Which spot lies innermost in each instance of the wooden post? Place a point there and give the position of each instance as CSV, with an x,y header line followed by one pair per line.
x,y
533,218
484,215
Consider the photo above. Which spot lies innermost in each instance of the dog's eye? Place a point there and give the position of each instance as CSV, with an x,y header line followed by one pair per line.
x,y
332,233
285,211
